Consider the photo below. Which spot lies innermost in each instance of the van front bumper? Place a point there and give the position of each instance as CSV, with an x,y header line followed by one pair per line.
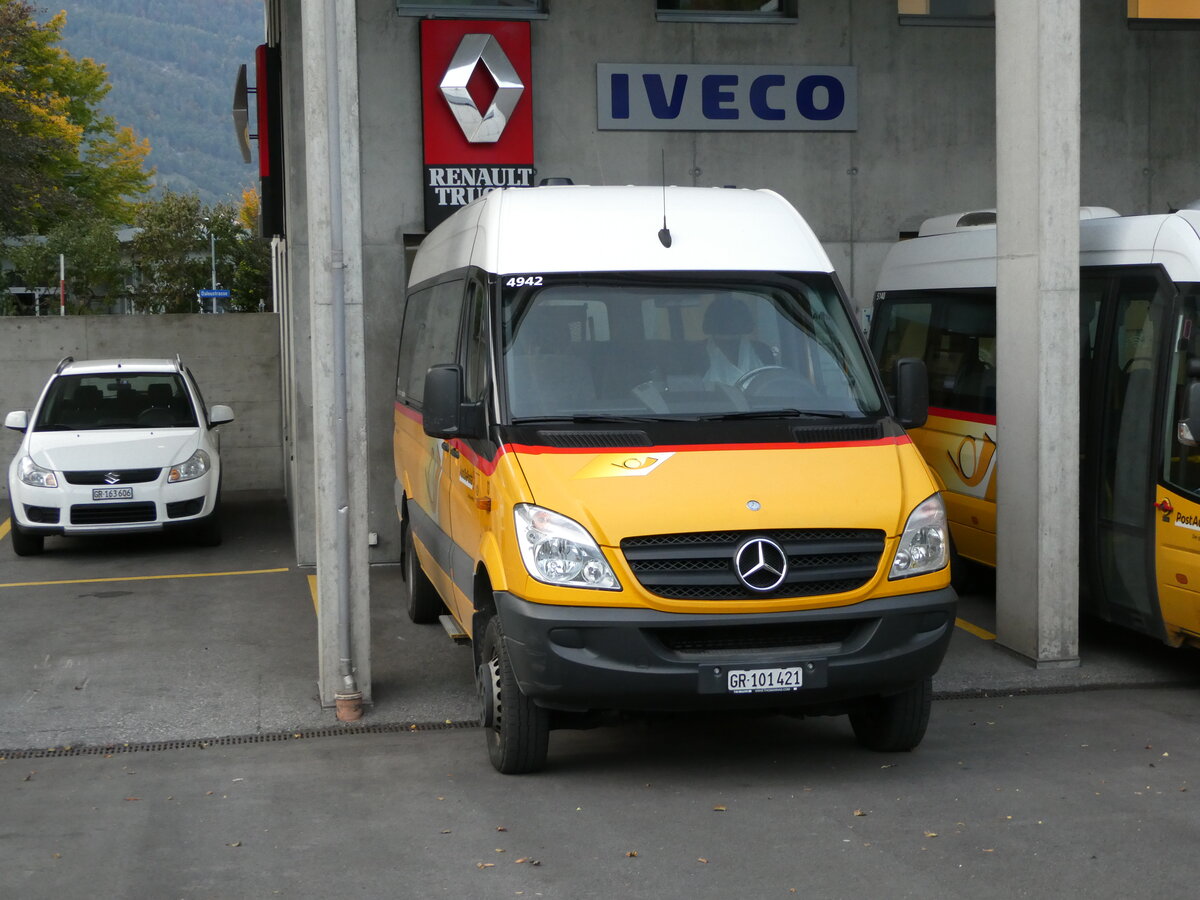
x,y
588,658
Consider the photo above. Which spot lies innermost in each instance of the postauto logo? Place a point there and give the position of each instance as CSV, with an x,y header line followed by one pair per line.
x,y
726,98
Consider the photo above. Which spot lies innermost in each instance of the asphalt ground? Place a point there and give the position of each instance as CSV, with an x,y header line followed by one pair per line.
x,y
161,736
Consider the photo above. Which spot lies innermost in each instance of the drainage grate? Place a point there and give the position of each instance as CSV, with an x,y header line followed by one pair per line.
x,y
233,740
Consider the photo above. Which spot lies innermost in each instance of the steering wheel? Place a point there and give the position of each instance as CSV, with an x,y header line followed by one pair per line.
x,y
756,378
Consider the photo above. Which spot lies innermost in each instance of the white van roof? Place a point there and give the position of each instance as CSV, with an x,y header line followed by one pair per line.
x,y
579,228
959,251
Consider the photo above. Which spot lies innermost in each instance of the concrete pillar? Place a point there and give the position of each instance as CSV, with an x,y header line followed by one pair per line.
x,y
335,300
1037,175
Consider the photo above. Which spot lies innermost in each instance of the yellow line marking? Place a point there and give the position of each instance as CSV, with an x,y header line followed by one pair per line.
x,y
3,529
141,578
974,629
312,589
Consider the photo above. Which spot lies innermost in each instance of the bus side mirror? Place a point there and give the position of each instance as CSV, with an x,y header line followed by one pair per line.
x,y
445,415
1188,428
912,392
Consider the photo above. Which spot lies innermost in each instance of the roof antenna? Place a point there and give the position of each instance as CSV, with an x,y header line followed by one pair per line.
x,y
664,234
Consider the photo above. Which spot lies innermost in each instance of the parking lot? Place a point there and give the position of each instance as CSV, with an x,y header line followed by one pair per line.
x,y
147,638
160,735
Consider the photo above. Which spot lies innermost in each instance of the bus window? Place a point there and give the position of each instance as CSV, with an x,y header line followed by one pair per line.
x,y
901,329
1181,466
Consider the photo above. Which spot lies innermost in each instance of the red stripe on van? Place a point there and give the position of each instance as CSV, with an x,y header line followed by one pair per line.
x,y
962,416
488,466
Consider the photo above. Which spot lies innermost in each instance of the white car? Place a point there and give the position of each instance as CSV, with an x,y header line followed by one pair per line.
x,y
116,446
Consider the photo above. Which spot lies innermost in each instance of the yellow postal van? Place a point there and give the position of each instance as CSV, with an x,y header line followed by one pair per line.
x,y
1139,312
644,460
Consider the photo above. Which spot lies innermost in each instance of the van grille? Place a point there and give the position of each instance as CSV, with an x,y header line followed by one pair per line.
x,y
792,636
700,565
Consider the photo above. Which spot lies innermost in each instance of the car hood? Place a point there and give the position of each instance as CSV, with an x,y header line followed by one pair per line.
x,y
142,448
620,494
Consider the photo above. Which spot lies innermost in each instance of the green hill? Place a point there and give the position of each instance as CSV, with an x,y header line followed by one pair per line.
x,y
172,66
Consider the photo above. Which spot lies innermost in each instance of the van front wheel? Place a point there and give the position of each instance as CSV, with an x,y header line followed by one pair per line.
x,y
516,728
424,604
895,723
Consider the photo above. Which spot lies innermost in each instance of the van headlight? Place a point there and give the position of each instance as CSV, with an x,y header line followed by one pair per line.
x,y
32,474
193,467
558,550
923,545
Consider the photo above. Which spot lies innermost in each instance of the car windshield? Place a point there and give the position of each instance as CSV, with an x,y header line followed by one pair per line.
x,y
116,400
725,345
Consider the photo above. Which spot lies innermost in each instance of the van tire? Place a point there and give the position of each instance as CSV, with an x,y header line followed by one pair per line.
x,y
25,543
424,605
895,723
517,730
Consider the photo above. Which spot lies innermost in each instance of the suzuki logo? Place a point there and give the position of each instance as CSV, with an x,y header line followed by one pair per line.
x,y
473,49
112,478
761,564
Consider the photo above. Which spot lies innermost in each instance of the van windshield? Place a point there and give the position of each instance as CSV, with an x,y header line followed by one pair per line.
x,y
680,346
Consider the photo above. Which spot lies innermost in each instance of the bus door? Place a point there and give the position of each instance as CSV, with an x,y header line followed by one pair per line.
x,y
1121,442
1177,502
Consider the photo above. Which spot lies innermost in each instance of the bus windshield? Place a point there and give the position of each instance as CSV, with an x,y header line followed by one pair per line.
x,y
681,346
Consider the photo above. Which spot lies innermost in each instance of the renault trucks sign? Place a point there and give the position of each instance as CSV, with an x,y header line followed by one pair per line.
x,y
476,99
663,97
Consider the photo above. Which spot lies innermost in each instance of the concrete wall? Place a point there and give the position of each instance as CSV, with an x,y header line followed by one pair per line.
x,y
925,145
235,359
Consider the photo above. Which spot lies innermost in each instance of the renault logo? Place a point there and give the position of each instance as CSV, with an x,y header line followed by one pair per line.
x,y
481,128
761,564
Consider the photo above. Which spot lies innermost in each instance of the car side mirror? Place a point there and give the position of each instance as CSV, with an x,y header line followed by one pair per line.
x,y
1188,428
219,415
912,392
445,413
17,420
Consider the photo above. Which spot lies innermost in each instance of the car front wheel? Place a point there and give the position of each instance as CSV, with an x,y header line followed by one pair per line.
x,y
24,543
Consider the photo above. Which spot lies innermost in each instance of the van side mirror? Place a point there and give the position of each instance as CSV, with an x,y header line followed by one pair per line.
x,y
17,420
1188,428
912,392
445,413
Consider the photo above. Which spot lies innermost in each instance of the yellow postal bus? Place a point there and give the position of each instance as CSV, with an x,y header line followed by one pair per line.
x,y
1140,485
644,460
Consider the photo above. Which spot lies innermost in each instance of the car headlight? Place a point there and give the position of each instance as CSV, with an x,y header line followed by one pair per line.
x,y
32,474
558,550
195,466
923,545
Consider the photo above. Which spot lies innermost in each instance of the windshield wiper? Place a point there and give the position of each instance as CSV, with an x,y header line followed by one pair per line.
x,y
771,414
589,420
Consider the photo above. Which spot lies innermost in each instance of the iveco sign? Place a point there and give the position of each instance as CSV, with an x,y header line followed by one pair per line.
x,y
726,98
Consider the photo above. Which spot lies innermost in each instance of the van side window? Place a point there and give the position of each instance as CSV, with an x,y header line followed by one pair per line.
x,y
955,333
1182,463
475,355
429,337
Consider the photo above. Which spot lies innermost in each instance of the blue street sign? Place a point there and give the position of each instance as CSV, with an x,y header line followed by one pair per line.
x,y
216,293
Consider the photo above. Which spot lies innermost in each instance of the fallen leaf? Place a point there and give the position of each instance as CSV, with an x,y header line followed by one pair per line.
x,y
483,865
132,799
56,856
718,809
446,831
501,828
234,844
702,859
631,853
931,834
859,812
499,849
29,777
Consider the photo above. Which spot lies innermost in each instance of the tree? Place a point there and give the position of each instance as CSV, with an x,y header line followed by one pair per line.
x,y
96,268
178,243
59,155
